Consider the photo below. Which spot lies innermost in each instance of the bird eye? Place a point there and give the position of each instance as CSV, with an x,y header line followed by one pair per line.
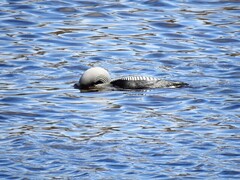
x,y
99,82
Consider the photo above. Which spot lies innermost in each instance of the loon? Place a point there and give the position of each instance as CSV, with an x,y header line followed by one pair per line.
x,y
97,78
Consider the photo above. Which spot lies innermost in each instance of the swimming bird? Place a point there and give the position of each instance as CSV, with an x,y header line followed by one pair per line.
x,y
97,78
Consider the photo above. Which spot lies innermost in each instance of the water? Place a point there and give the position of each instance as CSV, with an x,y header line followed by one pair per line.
x,y
49,130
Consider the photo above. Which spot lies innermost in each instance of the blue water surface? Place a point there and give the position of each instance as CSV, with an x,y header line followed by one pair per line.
x,y
49,130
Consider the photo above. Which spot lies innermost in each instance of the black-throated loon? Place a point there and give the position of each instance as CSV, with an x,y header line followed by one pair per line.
x,y
97,78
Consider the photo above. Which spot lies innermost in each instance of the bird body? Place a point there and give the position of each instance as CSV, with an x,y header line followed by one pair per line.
x,y
98,78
